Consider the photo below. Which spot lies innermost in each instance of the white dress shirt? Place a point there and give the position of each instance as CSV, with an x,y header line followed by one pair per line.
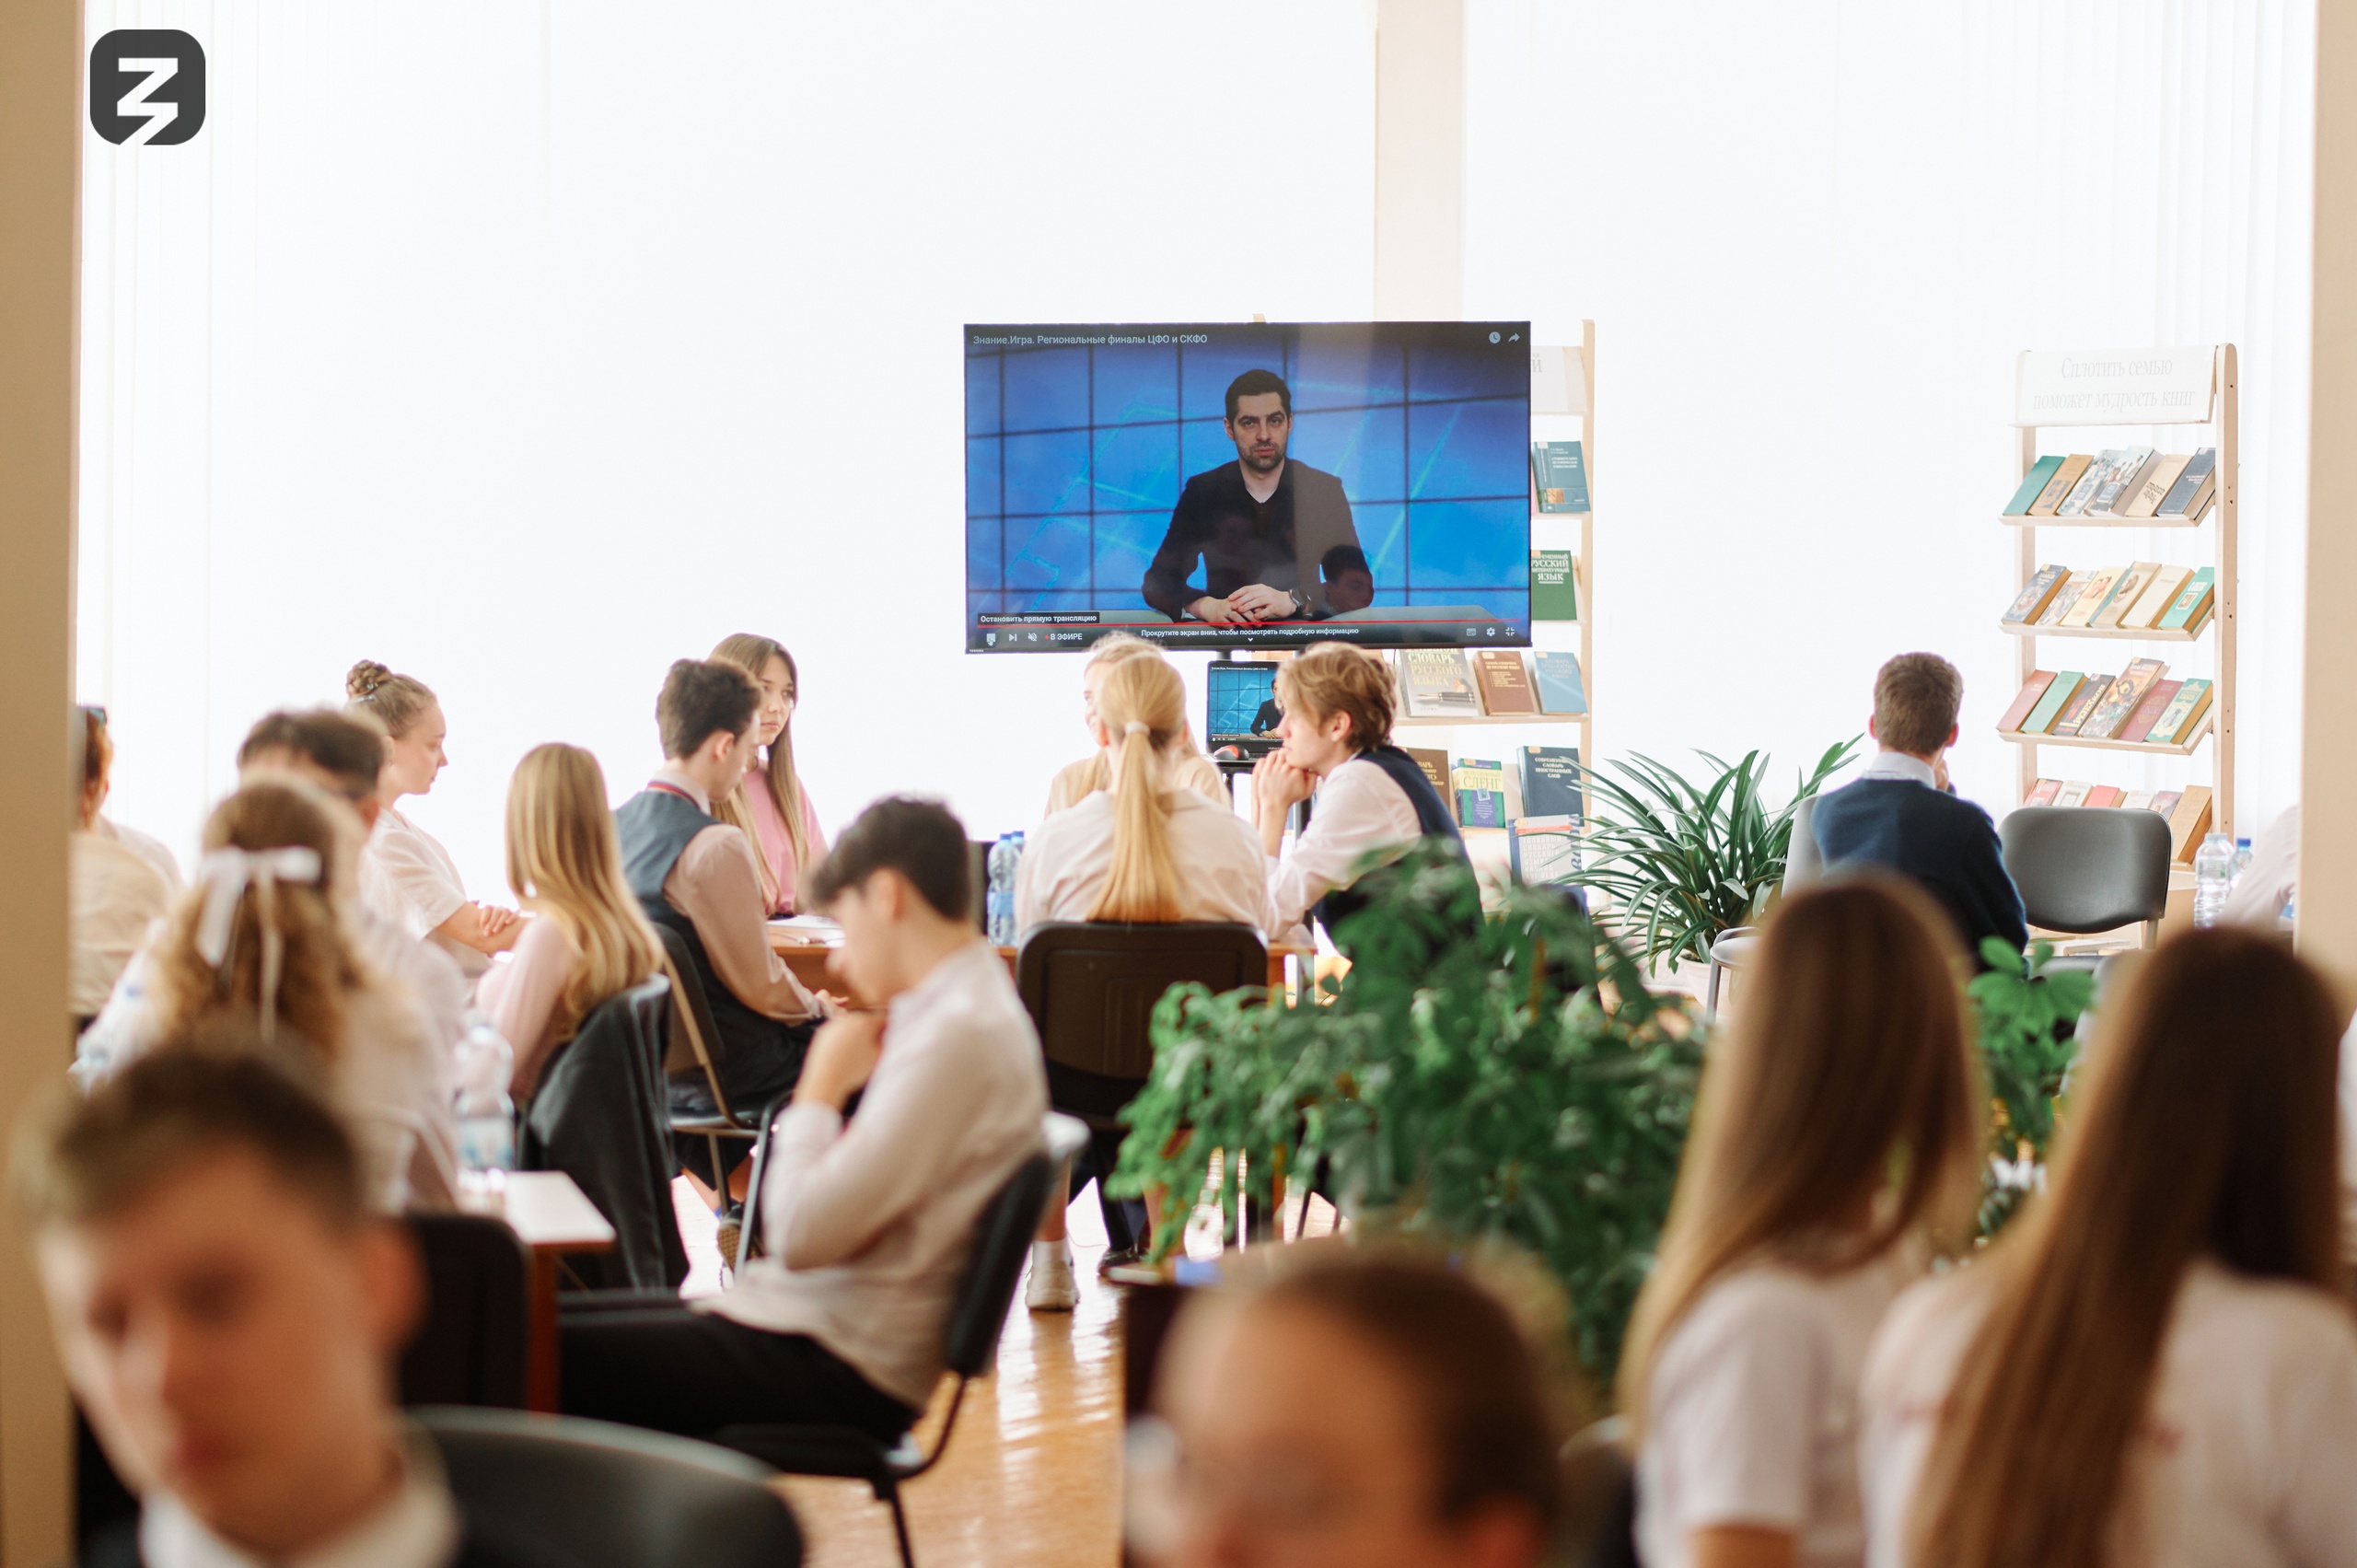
x,y
870,1223
147,847
417,1527
2245,1452
407,876
1221,873
1899,765
117,896
1357,812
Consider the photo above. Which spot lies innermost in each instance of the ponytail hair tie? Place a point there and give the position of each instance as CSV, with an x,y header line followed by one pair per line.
x,y
224,874
1137,726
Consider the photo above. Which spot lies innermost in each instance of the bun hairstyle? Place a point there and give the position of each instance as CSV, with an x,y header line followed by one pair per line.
x,y
397,702
1142,703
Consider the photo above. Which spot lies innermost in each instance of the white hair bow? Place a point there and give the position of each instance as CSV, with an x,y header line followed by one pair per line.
x,y
226,873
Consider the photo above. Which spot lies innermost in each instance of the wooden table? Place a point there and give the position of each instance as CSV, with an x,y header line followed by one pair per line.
x,y
555,1220
808,959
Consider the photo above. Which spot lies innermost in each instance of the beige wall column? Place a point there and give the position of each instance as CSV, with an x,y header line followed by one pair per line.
x,y
39,137
1420,160
2327,899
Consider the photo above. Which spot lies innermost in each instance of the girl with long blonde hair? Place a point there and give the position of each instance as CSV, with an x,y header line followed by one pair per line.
x,y
1837,1131
1148,850
259,939
771,807
2157,1365
590,940
1190,769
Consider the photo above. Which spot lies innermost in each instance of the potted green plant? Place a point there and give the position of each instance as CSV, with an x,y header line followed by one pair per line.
x,y
1503,1078
1683,861
2028,1015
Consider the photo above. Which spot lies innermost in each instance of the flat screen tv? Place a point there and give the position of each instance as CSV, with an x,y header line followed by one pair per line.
x,y
1222,486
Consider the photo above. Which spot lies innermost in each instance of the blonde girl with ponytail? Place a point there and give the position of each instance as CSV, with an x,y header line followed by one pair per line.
x,y
1189,768
1145,850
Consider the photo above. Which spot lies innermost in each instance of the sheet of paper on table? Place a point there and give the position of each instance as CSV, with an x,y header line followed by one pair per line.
x,y
814,928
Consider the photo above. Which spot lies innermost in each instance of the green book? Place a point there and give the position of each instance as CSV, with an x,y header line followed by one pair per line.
x,y
2020,504
1559,474
2041,717
2188,599
2183,712
1554,586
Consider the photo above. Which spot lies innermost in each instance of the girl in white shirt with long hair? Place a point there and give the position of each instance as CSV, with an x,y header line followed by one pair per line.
x,y
2156,1364
1839,1129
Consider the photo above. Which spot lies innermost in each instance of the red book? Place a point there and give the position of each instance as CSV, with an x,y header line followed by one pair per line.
x,y
2105,795
2031,692
2043,792
2148,712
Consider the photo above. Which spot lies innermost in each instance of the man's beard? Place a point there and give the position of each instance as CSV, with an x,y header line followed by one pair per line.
x,y
1258,464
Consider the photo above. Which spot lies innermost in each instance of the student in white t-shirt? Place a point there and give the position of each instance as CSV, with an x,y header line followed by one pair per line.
x,y
2157,1365
405,874
1838,1132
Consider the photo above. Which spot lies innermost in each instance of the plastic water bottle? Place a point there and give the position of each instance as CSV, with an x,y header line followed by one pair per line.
x,y
2214,873
1006,856
486,1116
2242,861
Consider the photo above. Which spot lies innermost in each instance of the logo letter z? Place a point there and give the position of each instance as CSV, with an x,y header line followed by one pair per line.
x,y
134,105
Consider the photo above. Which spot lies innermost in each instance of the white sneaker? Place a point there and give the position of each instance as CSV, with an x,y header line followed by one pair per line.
x,y
1052,1287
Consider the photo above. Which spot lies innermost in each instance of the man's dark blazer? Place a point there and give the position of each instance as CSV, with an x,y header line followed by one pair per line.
x,y
1946,845
1218,523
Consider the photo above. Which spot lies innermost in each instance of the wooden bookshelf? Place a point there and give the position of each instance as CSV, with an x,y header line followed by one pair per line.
x,y
2221,412
1451,720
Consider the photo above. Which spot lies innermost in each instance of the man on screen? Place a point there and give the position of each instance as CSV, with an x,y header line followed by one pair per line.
x,y
1266,529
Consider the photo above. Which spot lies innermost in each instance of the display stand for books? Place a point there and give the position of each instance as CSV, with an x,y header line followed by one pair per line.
x,y
2095,389
1549,531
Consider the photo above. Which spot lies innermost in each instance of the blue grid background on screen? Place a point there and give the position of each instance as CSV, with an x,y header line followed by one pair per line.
x,y
1234,695
1075,455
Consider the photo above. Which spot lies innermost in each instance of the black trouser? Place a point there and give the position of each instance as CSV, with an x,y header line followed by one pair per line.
x,y
648,1361
751,1079
1098,1099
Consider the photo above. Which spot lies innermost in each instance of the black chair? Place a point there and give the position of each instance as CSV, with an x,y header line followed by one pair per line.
x,y
1598,1529
471,1349
977,1317
597,1495
696,1046
978,883
1091,987
2082,871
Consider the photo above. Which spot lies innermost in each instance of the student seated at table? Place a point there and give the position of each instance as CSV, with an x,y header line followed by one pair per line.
x,y
119,890
1903,814
257,942
693,873
1188,768
1838,1134
869,1222
1372,803
147,846
1360,1406
1149,850
2156,1363
591,941
228,1311
404,872
771,807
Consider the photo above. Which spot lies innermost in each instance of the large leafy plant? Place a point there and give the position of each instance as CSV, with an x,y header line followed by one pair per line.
x,y
1502,1079
2029,1020
1685,861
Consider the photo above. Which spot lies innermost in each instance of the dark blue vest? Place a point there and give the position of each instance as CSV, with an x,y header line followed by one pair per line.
x,y
1433,818
656,827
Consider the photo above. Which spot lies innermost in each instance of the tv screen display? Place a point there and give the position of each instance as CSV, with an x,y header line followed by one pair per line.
x,y
1237,486
1240,706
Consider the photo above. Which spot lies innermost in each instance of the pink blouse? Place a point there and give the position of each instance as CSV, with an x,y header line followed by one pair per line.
x,y
777,846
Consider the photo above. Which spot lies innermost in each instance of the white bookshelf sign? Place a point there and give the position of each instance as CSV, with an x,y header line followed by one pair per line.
x,y
2115,385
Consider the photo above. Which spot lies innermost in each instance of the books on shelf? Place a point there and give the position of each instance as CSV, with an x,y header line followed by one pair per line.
x,y
2148,712
2139,706
2158,595
2048,707
1433,763
1561,689
2124,593
2091,480
1559,476
2035,595
2154,484
2182,718
2026,700
2190,820
2083,704
2073,794
2127,462
2065,597
2195,488
2033,486
1543,849
2129,598
1438,683
1481,788
1505,683
1550,780
1554,586
2092,598
2043,793
2104,795
2059,488
2112,709
2193,602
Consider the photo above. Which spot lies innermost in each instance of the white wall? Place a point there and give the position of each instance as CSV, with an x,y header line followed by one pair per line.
x,y
527,347
1812,237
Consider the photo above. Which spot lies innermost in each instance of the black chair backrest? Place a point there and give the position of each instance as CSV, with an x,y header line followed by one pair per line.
x,y
2080,870
1002,1239
593,1494
471,1349
679,1055
978,883
1091,987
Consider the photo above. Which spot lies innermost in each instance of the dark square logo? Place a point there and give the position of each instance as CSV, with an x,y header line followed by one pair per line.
x,y
147,86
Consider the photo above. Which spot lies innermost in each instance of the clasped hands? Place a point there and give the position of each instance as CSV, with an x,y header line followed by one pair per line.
x,y
1253,603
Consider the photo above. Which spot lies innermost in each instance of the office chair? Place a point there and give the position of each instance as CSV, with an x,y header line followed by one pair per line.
x,y
2080,871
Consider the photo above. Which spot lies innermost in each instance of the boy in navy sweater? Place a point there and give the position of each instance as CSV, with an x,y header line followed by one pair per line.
x,y
1901,814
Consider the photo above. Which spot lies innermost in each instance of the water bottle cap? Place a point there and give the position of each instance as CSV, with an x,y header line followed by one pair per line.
x,y
2242,843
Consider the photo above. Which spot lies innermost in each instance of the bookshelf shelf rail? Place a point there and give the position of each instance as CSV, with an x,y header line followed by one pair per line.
x,y
2132,635
2019,522
2169,748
